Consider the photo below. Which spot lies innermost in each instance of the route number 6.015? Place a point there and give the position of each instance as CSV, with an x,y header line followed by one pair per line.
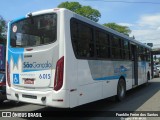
x,y
45,76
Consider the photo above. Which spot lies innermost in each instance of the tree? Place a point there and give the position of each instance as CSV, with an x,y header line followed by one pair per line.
x,y
122,29
3,26
85,11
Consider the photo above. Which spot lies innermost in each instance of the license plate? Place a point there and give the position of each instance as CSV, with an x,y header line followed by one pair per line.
x,y
29,96
29,81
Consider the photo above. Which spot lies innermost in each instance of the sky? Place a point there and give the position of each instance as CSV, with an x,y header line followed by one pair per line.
x,y
141,16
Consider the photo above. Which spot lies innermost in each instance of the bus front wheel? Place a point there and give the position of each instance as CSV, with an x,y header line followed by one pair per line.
x,y
121,90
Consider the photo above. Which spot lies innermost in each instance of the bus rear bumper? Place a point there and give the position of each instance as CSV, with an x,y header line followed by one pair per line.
x,y
58,99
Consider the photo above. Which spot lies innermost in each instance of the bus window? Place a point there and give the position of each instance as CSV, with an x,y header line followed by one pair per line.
x,y
102,44
38,31
82,39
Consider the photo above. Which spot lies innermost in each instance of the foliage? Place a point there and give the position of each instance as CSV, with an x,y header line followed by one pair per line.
x,y
3,26
85,11
122,29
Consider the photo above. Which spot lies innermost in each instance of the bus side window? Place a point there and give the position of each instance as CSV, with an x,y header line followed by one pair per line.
x,y
82,39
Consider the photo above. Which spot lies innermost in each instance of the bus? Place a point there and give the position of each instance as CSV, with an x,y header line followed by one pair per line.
x,y
58,58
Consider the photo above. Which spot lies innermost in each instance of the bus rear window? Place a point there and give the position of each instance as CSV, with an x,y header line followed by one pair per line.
x,y
34,31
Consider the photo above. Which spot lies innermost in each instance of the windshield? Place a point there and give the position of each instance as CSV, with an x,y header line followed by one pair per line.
x,y
34,31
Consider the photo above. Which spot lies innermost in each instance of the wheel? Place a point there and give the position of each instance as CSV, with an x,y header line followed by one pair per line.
x,y
121,90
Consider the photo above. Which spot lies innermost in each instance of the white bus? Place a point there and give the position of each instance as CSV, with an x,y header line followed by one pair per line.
x,y
58,58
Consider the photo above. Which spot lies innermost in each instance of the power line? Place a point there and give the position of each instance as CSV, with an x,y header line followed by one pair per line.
x,y
131,2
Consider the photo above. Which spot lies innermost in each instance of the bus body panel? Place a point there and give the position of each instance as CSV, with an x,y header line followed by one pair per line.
x,y
70,68
84,80
102,78
37,64
56,99
110,72
142,72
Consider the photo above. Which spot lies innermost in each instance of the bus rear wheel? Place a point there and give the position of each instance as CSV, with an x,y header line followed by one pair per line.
x,y
121,90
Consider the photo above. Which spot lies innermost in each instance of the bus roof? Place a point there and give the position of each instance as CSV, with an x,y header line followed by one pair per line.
x,y
133,41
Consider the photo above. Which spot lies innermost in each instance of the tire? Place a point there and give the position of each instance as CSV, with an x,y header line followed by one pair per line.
x,y
121,90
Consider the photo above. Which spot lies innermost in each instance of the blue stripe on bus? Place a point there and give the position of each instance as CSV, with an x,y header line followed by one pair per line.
x,y
15,54
115,77
34,70
18,19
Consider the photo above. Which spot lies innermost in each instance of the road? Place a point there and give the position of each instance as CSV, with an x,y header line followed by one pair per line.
x,y
142,98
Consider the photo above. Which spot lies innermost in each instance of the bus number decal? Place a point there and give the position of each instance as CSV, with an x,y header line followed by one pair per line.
x,y
45,76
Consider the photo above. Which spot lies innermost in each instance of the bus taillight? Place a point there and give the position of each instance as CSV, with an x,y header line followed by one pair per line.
x,y
8,75
58,81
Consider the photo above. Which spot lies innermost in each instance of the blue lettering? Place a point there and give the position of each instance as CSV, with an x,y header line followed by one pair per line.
x,y
35,65
40,76
45,76
49,76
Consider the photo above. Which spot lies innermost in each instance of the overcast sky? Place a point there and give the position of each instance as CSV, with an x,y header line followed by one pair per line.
x,y
142,16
